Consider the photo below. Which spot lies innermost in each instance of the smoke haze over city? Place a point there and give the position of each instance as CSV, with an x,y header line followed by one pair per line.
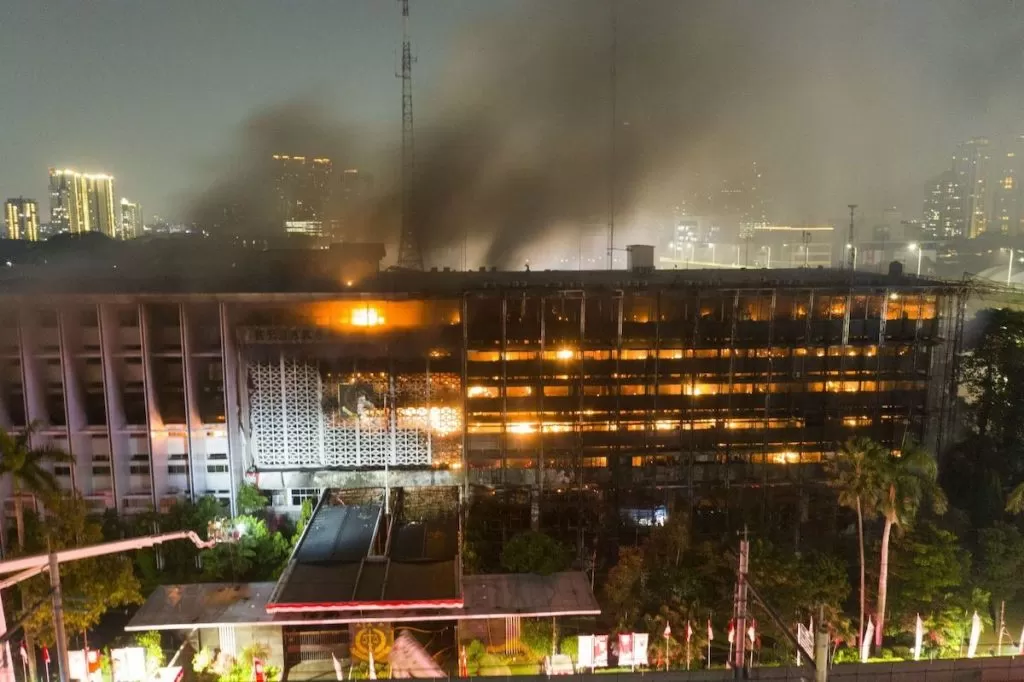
x,y
835,102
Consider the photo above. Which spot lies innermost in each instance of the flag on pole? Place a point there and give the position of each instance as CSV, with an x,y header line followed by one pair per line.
x,y
46,655
752,631
23,650
918,637
711,633
865,645
732,631
339,672
972,647
373,668
689,631
668,631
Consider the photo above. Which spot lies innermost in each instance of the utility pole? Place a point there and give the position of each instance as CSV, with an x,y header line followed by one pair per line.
x,y
850,244
739,614
805,237
613,92
63,664
409,255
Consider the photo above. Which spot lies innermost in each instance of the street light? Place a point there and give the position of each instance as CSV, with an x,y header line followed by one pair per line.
x,y
915,247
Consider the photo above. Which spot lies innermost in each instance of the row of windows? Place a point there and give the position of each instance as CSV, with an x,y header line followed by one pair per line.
x,y
697,389
567,353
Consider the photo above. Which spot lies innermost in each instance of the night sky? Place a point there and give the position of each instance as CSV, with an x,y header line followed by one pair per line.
x,y
149,90
838,102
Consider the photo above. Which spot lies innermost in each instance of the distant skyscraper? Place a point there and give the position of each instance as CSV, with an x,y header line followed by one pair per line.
x,y
303,190
1007,193
943,208
131,220
354,189
22,219
971,167
82,202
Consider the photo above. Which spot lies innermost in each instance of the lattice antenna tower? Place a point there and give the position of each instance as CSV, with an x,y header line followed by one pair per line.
x,y
409,255
613,92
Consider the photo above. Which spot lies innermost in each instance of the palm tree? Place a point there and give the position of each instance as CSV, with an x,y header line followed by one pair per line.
x,y
907,480
854,473
26,466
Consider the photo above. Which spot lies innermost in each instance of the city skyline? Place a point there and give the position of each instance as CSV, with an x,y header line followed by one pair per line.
x,y
166,159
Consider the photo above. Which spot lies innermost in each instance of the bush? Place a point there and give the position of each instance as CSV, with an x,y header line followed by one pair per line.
x,y
534,552
570,646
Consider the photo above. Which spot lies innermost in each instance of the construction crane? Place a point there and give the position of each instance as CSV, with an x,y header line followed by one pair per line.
x,y
410,257
27,567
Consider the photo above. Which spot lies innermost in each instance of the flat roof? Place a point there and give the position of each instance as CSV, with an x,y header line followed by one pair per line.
x,y
227,282
211,605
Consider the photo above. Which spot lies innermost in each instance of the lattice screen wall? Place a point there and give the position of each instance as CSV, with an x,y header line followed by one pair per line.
x,y
413,421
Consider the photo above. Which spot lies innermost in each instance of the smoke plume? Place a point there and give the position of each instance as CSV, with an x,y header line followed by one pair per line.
x,y
836,102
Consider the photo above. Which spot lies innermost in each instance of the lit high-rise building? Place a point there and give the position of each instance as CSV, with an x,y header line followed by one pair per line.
x,y
971,168
303,191
82,202
131,219
22,219
1007,195
943,208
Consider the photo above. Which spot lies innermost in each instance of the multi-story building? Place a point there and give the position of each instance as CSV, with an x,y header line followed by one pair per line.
x,y
1008,193
668,384
22,219
131,220
83,202
943,208
303,191
971,169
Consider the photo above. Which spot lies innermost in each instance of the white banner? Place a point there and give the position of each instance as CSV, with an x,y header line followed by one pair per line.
x,y
918,637
584,651
600,651
640,648
865,646
626,650
972,647
128,664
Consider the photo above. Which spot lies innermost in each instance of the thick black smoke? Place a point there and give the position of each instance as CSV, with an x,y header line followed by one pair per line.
x,y
837,102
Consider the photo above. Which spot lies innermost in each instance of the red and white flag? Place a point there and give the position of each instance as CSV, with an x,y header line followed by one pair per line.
x,y
46,655
689,631
23,650
711,633
732,631
752,631
668,631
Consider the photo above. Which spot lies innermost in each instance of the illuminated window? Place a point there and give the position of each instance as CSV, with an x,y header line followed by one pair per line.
x,y
632,389
367,317
482,392
701,389
670,354
483,355
854,422
556,390
522,428
519,391
597,355
670,389
597,390
629,354
595,462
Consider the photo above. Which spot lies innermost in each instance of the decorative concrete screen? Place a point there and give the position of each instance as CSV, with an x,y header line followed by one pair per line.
x,y
303,418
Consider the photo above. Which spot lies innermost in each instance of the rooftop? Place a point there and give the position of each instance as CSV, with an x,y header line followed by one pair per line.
x,y
210,605
352,558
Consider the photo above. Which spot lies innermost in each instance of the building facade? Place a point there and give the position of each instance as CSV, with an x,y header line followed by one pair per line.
x,y
22,219
1007,192
83,202
131,220
547,382
971,166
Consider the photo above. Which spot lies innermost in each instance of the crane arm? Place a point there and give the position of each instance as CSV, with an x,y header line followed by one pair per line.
x,y
28,566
